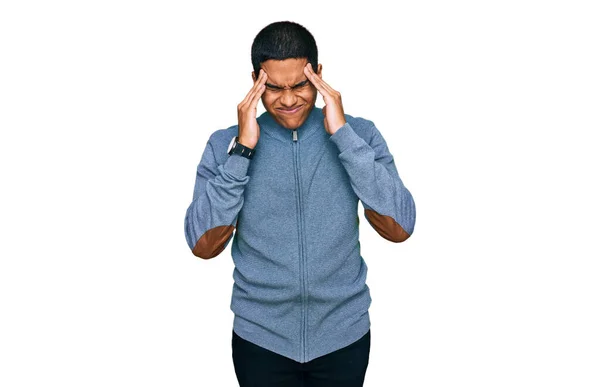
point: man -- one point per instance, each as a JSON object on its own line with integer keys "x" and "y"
{"x": 289, "y": 182}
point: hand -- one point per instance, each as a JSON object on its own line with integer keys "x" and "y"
{"x": 248, "y": 129}
{"x": 333, "y": 110}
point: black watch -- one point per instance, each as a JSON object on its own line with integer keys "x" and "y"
{"x": 236, "y": 148}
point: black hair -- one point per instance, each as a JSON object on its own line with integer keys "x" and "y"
{"x": 283, "y": 40}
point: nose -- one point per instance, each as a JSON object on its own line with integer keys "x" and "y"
{"x": 288, "y": 99}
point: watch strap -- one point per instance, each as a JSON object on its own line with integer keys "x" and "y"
{"x": 241, "y": 150}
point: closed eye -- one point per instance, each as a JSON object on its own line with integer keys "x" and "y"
{"x": 301, "y": 84}
{"x": 276, "y": 88}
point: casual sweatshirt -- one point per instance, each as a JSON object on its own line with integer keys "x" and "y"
{"x": 299, "y": 279}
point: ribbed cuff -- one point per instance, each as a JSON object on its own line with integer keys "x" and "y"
{"x": 344, "y": 137}
{"x": 237, "y": 165}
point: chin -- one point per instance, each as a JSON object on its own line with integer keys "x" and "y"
{"x": 291, "y": 122}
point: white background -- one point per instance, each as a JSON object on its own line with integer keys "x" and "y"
{"x": 489, "y": 109}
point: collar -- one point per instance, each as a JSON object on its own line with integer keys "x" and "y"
{"x": 313, "y": 122}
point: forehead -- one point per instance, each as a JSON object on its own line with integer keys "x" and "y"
{"x": 285, "y": 72}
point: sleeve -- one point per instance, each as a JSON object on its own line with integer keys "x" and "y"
{"x": 218, "y": 197}
{"x": 389, "y": 205}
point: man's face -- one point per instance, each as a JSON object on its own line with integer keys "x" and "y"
{"x": 289, "y": 96}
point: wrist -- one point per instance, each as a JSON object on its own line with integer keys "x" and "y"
{"x": 246, "y": 142}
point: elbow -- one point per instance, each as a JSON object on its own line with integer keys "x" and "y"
{"x": 387, "y": 227}
{"x": 401, "y": 238}
{"x": 205, "y": 254}
{"x": 397, "y": 234}
{"x": 213, "y": 242}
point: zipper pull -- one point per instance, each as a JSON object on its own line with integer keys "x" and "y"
{"x": 294, "y": 135}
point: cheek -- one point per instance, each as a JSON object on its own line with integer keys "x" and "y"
{"x": 309, "y": 95}
{"x": 268, "y": 100}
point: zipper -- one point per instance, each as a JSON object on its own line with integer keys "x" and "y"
{"x": 304, "y": 324}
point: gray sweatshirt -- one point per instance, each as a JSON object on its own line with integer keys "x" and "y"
{"x": 299, "y": 278}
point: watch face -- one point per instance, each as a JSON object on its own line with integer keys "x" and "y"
{"x": 231, "y": 145}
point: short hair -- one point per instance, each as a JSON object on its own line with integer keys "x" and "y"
{"x": 283, "y": 40}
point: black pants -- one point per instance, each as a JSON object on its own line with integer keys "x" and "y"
{"x": 256, "y": 366}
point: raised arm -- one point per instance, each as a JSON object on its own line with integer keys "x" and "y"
{"x": 218, "y": 198}
{"x": 389, "y": 205}
{"x": 219, "y": 189}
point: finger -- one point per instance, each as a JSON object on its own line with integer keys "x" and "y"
{"x": 314, "y": 79}
{"x": 323, "y": 87}
{"x": 257, "y": 95}
{"x": 262, "y": 78}
{"x": 323, "y": 84}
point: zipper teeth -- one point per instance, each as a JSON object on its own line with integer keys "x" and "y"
{"x": 304, "y": 262}
{"x": 298, "y": 206}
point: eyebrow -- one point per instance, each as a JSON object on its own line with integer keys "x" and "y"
{"x": 293, "y": 87}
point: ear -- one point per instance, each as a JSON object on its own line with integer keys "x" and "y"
{"x": 253, "y": 77}
{"x": 319, "y": 69}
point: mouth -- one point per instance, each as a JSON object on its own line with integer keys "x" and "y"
{"x": 292, "y": 111}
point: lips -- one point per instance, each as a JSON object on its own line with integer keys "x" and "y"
{"x": 292, "y": 111}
